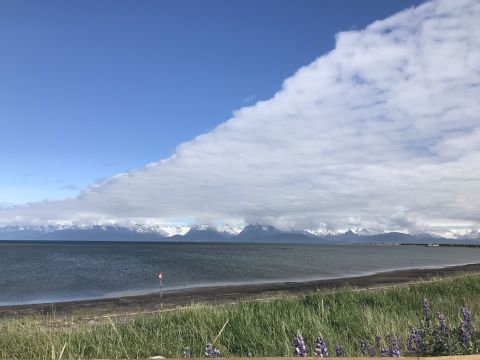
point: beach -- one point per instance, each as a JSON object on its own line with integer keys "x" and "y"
{"x": 260, "y": 320}
{"x": 82, "y": 271}
{"x": 155, "y": 302}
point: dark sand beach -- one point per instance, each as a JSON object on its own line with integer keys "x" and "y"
{"x": 131, "y": 305}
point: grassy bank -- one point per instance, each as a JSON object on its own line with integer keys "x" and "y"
{"x": 260, "y": 328}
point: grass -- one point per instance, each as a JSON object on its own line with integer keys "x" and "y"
{"x": 260, "y": 328}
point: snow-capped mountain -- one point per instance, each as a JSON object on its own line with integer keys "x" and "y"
{"x": 201, "y": 233}
{"x": 320, "y": 232}
{"x": 229, "y": 233}
{"x": 257, "y": 231}
{"x": 230, "y": 230}
{"x": 456, "y": 234}
{"x": 326, "y": 232}
{"x": 161, "y": 230}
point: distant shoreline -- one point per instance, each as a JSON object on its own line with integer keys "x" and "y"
{"x": 440, "y": 243}
{"x": 222, "y": 294}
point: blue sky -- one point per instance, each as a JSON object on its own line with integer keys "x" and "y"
{"x": 90, "y": 89}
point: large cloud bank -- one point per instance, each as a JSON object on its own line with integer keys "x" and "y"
{"x": 383, "y": 132}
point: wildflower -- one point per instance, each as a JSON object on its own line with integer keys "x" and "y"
{"x": 366, "y": 349}
{"x": 211, "y": 352}
{"x": 426, "y": 311}
{"x": 321, "y": 349}
{"x": 395, "y": 345}
{"x": 464, "y": 333}
{"x": 393, "y": 349}
{"x": 467, "y": 316}
{"x": 466, "y": 326}
{"x": 373, "y": 350}
{"x": 300, "y": 347}
{"x": 415, "y": 341}
{"x": 442, "y": 324}
{"x": 187, "y": 353}
{"x": 385, "y": 353}
{"x": 339, "y": 351}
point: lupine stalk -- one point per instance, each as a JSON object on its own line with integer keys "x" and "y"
{"x": 426, "y": 311}
{"x": 211, "y": 352}
{"x": 442, "y": 324}
{"x": 466, "y": 326}
{"x": 339, "y": 351}
{"x": 415, "y": 342}
{"x": 187, "y": 353}
{"x": 385, "y": 353}
{"x": 366, "y": 349}
{"x": 464, "y": 333}
{"x": 300, "y": 347}
{"x": 393, "y": 349}
{"x": 394, "y": 346}
{"x": 321, "y": 349}
{"x": 467, "y": 316}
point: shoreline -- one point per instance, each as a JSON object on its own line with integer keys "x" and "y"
{"x": 152, "y": 302}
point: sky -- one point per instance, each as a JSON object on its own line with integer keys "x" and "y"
{"x": 90, "y": 89}
{"x": 305, "y": 114}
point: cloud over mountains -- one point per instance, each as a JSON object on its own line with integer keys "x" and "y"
{"x": 383, "y": 132}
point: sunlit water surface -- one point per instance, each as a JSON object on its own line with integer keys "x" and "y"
{"x": 33, "y": 273}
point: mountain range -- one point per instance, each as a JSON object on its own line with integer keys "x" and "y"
{"x": 204, "y": 233}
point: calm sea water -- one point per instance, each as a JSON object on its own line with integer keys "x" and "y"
{"x": 34, "y": 273}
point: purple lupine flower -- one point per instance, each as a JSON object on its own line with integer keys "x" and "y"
{"x": 467, "y": 316}
{"x": 442, "y": 324}
{"x": 300, "y": 347}
{"x": 373, "y": 350}
{"x": 385, "y": 353}
{"x": 339, "y": 351}
{"x": 393, "y": 348}
{"x": 187, "y": 353}
{"x": 321, "y": 349}
{"x": 366, "y": 349}
{"x": 464, "y": 333}
{"x": 399, "y": 341}
{"x": 426, "y": 311}
{"x": 211, "y": 352}
{"x": 466, "y": 326}
{"x": 415, "y": 341}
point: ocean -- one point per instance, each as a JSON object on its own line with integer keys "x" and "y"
{"x": 36, "y": 272}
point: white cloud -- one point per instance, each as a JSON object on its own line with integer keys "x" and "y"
{"x": 382, "y": 132}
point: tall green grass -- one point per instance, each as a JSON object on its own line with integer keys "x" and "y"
{"x": 263, "y": 328}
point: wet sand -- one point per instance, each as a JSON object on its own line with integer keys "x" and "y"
{"x": 221, "y": 294}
